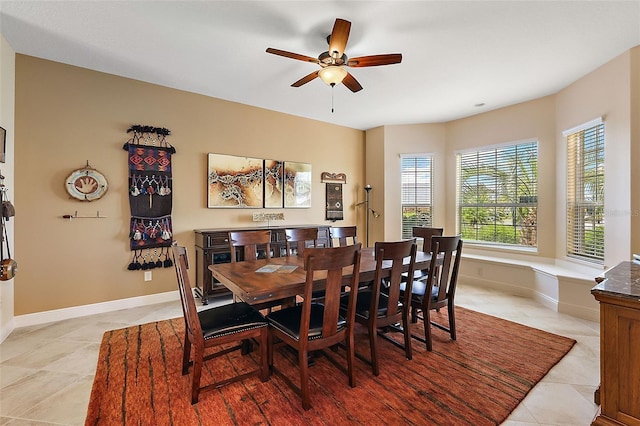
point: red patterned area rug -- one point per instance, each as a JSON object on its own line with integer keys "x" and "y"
{"x": 477, "y": 380}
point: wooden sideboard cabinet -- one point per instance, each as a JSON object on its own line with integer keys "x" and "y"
{"x": 212, "y": 246}
{"x": 618, "y": 293}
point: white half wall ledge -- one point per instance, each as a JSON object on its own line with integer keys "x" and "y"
{"x": 94, "y": 308}
{"x": 555, "y": 284}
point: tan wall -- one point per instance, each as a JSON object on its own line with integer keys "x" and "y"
{"x": 635, "y": 149}
{"x": 412, "y": 139}
{"x": 7, "y": 169}
{"x": 66, "y": 116}
{"x": 529, "y": 120}
{"x": 604, "y": 93}
{"x": 375, "y": 176}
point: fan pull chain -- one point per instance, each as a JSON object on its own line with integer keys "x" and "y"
{"x": 333, "y": 85}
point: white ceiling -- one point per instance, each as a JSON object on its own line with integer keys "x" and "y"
{"x": 455, "y": 54}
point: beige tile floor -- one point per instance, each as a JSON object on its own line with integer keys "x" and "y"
{"x": 46, "y": 371}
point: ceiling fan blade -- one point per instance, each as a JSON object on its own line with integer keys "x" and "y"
{"x": 292, "y": 55}
{"x": 305, "y": 79}
{"x": 338, "y": 38}
{"x": 351, "y": 83}
{"x": 375, "y": 60}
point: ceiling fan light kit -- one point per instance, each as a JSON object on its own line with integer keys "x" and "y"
{"x": 332, "y": 75}
{"x": 334, "y": 60}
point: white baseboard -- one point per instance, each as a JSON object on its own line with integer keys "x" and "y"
{"x": 579, "y": 312}
{"x": 94, "y": 308}
{"x": 7, "y": 329}
{"x": 515, "y": 290}
{"x": 546, "y": 301}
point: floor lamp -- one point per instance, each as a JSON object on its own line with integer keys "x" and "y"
{"x": 367, "y": 189}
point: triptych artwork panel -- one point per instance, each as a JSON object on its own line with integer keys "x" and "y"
{"x": 246, "y": 182}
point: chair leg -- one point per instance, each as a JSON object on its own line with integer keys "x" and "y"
{"x": 264, "y": 357}
{"x": 303, "y": 364}
{"x": 186, "y": 354}
{"x": 407, "y": 335}
{"x": 351, "y": 359}
{"x": 452, "y": 321}
{"x": 427, "y": 328}
{"x": 198, "y": 355}
{"x": 269, "y": 348}
{"x": 373, "y": 344}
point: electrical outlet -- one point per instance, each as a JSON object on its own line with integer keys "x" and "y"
{"x": 147, "y": 276}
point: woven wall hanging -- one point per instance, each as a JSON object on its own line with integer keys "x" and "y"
{"x": 334, "y": 182}
{"x": 150, "y": 196}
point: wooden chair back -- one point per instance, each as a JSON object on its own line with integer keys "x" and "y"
{"x": 250, "y": 242}
{"x": 345, "y": 235}
{"x": 299, "y": 239}
{"x": 449, "y": 250}
{"x": 426, "y": 233}
{"x": 396, "y": 253}
{"x": 332, "y": 261}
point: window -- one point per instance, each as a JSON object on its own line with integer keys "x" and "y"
{"x": 497, "y": 200}
{"x": 417, "y": 172}
{"x": 585, "y": 191}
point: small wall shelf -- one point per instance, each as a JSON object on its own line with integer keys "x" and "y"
{"x": 75, "y": 216}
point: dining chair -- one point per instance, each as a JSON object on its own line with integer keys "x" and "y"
{"x": 215, "y": 327}
{"x": 344, "y": 235}
{"x": 425, "y": 233}
{"x": 382, "y": 305}
{"x": 438, "y": 289}
{"x": 298, "y": 239}
{"x": 250, "y": 243}
{"x": 312, "y": 326}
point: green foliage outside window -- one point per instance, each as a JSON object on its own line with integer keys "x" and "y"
{"x": 414, "y": 216}
{"x": 497, "y": 195}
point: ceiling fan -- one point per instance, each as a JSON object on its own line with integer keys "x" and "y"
{"x": 333, "y": 61}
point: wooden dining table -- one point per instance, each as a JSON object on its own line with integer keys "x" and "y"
{"x": 271, "y": 281}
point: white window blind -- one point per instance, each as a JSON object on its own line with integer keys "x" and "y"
{"x": 497, "y": 199}
{"x": 417, "y": 174}
{"x": 585, "y": 193}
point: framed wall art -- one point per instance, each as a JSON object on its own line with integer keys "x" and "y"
{"x": 273, "y": 185}
{"x": 297, "y": 184}
{"x": 334, "y": 202}
{"x": 234, "y": 182}
{"x": 3, "y": 144}
{"x": 86, "y": 184}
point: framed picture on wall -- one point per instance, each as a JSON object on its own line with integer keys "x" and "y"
{"x": 273, "y": 187}
{"x": 3, "y": 144}
{"x": 297, "y": 184}
{"x": 234, "y": 182}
